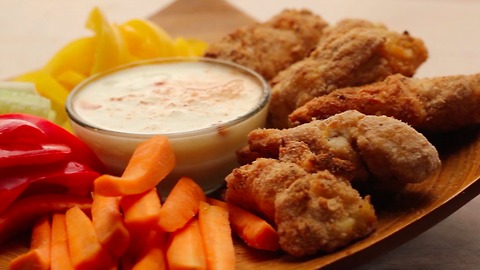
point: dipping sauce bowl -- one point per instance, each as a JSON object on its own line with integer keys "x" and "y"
{"x": 206, "y": 107}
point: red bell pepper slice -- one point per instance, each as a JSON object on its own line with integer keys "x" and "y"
{"x": 58, "y": 135}
{"x": 9, "y": 193}
{"x": 23, "y": 154}
{"x": 14, "y": 130}
{"x": 70, "y": 177}
{"x": 75, "y": 179}
{"x": 21, "y": 214}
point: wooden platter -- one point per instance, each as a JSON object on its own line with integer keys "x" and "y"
{"x": 401, "y": 217}
{"x": 208, "y": 20}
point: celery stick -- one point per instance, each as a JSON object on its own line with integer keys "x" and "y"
{"x": 21, "y": 101}
{"x": 24, "y": 87}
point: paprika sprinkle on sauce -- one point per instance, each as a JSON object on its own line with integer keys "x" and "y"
{"x": 206, "y": 107}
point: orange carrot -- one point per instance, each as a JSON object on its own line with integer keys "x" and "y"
{"x": 153, "y": 256}
{"x": 60, "y": 256}
{"x": 181, "y": 205}
{"x": 137, "y": 247}
{"x": 151, "y": 161}
{"x": 135, "y": 250}
{"x": 217, "y": 237}
{"x": 145, "y": 242}
{"x": 86, "y": 252}
{"x": 140, "y": 215}
{"x": 38, "y": 257}
{"x": 154, "y": 259}
{"x": 108, "y": 223}
{"x": 141, "y": 210}
{"x": 185, "y": 250}
{"x": 255, "y": 231}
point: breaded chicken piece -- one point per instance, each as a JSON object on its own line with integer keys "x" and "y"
{"x": 254, "y": 186}
{"x": 354, "y": 146}
{"x": 314, "y": 146}
{"x": 320, "y": 213}
{"x": 351, "y": 53}
{"x": 272, "y": 46}
{"x": 312, "y": 211}
{"x": 431, "y": 105}
{"x": 347, "y": 24}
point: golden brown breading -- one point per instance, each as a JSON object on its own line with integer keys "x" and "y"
{"x": 351, "y": 53}
{"x": 347, "y": 24}
{"x": 271, "y": 46}
{"x": 395, "y": 152}
{"x": 321, "y": 213}
{"x": 312, "y": 211}
{"x": 254, "y": 186}
{"x": 329, "y": 148}
{"x": 431, "y": 105}
{"x": 300, "y": 179}
{"x": 355, "y": 146}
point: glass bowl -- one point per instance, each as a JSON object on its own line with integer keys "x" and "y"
{"x": 206, "y": 107}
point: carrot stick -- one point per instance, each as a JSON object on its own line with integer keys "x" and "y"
{"x": 185, "y": 250}
{"x": 144, "y": 243}
{"x": 151, "y": 161}
{"x": 154, "y": 253}
{"x": 38, "y": 257}
{"x": 60, "y": 256}
{"x": 217, "y": 237}
{"x": 108, "y": 223}
{"x": 85, "y": 249}
{"x": 137, "y": 247}
{"x": 255, "y": 231}
{"x": 141, "y": 210}
{"x": 140, "y": 215}
{"x": 181, "y": 205}
{"x": 154, "y": 259}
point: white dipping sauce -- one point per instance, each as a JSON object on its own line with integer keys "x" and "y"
{"x": 205, "y": 107}
{"x": 167, "y": 98}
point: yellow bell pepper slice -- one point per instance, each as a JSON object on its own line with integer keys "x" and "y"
{"x": 48, "y": 87}
{"x": 147, "y": 40}
{"x": 70, "y": 78}
{"x": 189, "y": 47}
{"x": 197, "y": 47}
{"x": 111, "y": 50}
{"x": 76, "y": 56}
{"x": 134, "y": 42}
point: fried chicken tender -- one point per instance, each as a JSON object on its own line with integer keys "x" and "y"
{"x": 314, "y": 146}
{"x": 353, "y": 146}
{"x": 320, "y": 213}
{"x": 351, "y": 53}
{"x": 271, "y": 46}
{"x": 254, "y": 186}
{"x": 431, "y": 105}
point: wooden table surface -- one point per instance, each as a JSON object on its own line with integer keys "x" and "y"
{"x": 454, "y": 243}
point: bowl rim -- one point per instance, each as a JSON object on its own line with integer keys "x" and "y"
{"x": 261, "y": 104}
